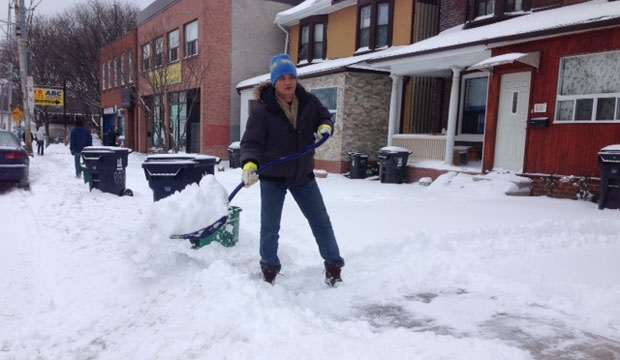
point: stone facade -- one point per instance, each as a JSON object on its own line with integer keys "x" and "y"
{"x": 361, "y": 121}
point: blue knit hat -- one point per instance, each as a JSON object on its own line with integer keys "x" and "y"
{"x": 281, "y": 65}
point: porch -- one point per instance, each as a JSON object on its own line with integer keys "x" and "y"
{"x": 428, "y": 147}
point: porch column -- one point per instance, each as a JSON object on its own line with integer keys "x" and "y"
{"x": 397, "y": 85}
{"x": 452, "y": 115}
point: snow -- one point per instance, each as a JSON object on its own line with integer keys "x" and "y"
{"x": 452, "y": 270}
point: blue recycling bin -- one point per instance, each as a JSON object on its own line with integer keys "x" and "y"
{"x": 168, "y": 173}
{"x": 106, "y": 168}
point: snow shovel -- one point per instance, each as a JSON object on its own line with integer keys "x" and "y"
{"x": 196, "y": 236}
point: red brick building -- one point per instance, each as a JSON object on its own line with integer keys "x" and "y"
{"x": 170, "y": 85}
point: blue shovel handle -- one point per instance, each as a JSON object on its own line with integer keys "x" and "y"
{"x": 279, "y": 161}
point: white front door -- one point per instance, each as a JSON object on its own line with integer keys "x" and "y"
{"x": 514, "y": 99}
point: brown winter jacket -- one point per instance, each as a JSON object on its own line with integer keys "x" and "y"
{"x": 270, "y": 136}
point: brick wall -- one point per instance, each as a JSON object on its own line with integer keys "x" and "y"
{"x": 453, "y": 13}
{"x": 565, "y": 187}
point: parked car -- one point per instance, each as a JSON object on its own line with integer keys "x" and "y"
{"x": 14, "y": 160}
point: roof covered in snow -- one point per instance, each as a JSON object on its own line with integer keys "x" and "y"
{"x": 315, "y": 69}
{"x": 544, "y": 23}
{"x": 310, "y": 8}
{"x": 540, "y": 23}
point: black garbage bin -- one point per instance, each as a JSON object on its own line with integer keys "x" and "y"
{"x": 168, "y": 173}
{"x": 359, "y": 163}
{"x": 234, "y": 155}
{"x": 106, "y": 167}
{"x": 609, "y": 164}
{"x": 393, "y": 164}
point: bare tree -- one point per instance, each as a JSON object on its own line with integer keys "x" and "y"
{"x": 64, "y": 49}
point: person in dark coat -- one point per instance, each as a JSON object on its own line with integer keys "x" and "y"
{"x": 79, "y": 138}
{"x": 111, "y": 137}
{"x": 286, "y": 120}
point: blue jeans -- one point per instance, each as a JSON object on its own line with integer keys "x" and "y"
{"x": 76, "y": 160}
{"x": 310, "y": 202}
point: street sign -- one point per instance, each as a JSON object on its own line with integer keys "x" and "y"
{"x": 49, "y": 97}
{"x": 17, "y": 114}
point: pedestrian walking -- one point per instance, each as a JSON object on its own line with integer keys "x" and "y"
{"x": 284, "y": 122}
{"x": 40, "y": 140}
{"x": 79, "y": 138}
{"x": 111, "y": 137}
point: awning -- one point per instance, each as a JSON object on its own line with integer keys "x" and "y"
{"x": 532, "y": 59}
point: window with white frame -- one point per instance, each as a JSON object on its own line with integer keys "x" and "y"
{"x": 123, "y": 73}
{"x": 158, "y": 60}
{"x": 103, "y": 75}
{"x": 329, "y": 99}
{"x": 173, "y": 46}
{"x": 484, "y": 7}
{"x": 146, "y": 57}
{"x": 115, "y": 75}
{"x": 589, "y": 88}
{"x": 474, "y": 90}
{"x": 191, "y": 39}
{"x": 109, "y": 74}
{"x": 130, "y": 66}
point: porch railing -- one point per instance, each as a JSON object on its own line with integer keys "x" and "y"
{"x": 422, "y": 146}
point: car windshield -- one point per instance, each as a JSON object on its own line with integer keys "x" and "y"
{"x": 8, "y": 139}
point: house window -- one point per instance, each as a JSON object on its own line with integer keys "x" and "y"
{"x": 173, "y": 46}
{"x": 103, "y": 76}
{"x": 497, "y": 8}
{"x": 130, "y": 66}
{"x": 589, "y": 88}
{"x": 158, "y": 116}
{"x": 158, "y": 60}
{"x": 513, "y": 5}
{"x": 329, "y": 99}
{"x": 374, "y": 24}
{"x": 146, "y": 57}
{"x": 123, "y": 73}
{"x": 191, "y": 39}
{"x": 115, "y": 75}
{"x": 474, "y": 105}
{"x": 109, "y": 74}
{"x": 484, "y": 7}
{"x": 178, "y": 119}
{"x": 312, "y": 44}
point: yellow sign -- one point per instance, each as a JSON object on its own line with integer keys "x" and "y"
{"x": 166, "y": 76}
{"x": 17, "y": 114}
{"x": 49, "y": 97}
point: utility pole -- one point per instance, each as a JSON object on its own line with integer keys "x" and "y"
{"x": 7, "y": 90}
{"x": 22, "y": 41}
